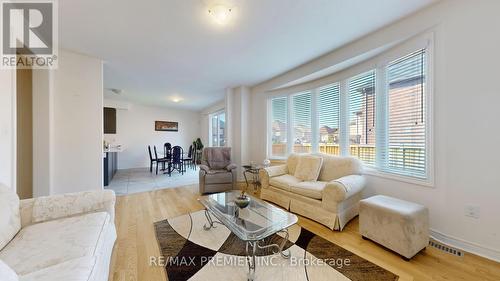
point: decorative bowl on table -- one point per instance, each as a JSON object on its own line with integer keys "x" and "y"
{"x": 242, "y": 201}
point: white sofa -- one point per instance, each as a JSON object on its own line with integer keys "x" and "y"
{"x": 330, "y": 195}
{"x": 66, "y": 237}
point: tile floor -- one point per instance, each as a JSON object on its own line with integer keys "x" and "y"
{"x": 141, "y": 180}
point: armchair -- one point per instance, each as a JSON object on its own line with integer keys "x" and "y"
{"x": 217, "y": 173}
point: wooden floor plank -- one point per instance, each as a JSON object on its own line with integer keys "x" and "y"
{"x": 136, "y": 243}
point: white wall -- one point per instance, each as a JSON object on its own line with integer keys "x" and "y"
{"x": 238, "y": 105}
{"x": 43, "y": 128}
{"x": 466, "y": 101}
{"x": 77, "y": 124}
{"x": 7, "y": 127}
{"x": 135, "y": 131}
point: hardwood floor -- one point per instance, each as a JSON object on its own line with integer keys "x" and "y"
{"x": 135, "y": 215}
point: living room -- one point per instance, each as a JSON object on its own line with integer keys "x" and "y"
{"x": 307, "y": 140}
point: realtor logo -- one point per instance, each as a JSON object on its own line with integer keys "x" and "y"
{"x": 29, "y": 34}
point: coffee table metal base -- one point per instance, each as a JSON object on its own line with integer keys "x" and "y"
{"x": 252, "y": 246}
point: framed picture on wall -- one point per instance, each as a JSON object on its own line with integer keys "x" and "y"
{"x": 166, "y": 126}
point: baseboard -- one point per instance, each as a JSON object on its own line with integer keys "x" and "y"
{"x": 466, "y": 246}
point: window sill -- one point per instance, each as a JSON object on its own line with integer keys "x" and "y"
{"x": 406, "y": 179}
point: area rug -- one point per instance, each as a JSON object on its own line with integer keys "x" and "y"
{"x": 188, "y": 252}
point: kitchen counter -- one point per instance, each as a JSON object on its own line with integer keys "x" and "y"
{"x": 110, "y": 159}
{"x": 117, "y": 148}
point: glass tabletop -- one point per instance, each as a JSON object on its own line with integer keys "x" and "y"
{"x": 255, "y": 222}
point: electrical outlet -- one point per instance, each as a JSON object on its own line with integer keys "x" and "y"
{"x": 472, "y": 211}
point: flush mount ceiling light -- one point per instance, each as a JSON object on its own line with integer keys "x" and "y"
{"x": 176, "y": 99}
{"x": 220, "y": 13}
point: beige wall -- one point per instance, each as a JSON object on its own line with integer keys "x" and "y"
{"x": 24, "y": 133}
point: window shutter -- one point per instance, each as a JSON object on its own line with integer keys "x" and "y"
{"x": 279, "y": 126}
{"x": 406, "y": 117}
{"x": 302, "y": 117}
{"x": 362, "y": 117}
{"x": 329, "y": 119}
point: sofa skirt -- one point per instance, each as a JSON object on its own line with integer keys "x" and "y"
{"x": 312, "y": 208}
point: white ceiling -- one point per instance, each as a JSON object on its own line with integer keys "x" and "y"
{"x": 157, "y": 49}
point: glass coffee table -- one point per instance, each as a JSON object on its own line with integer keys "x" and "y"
{"x": 251, "y": 224}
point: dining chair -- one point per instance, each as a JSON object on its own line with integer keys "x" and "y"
{"x": 167, "y": 150}
{"x": 151, "y": 159}
{"x": 177, "y": 159}
{"x": 189, "y": 158}
{"x": 161, "y": 160}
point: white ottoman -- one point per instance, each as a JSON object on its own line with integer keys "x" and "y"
{"x": 398, "y": 225}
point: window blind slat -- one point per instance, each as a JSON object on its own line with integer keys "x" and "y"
{"x": 302, "y": 117}
{"x": 279, "y": 126}
{"x": 329, "y": 119}
{"x": 406, "y": 151}
{"x": 362, "y": 116}
{"x": 401, "y": 134}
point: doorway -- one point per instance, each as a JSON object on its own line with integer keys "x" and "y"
{"x": 24, "y": 138}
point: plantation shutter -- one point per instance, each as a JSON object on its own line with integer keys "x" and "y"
{"x": 362, "y": 117}
{"x": 302, "y": 117}
{"x": 279, "y": 108}
{"x": 406, "y": 151}
{"x": 329, "y": 119}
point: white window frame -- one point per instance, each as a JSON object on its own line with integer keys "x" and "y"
{"x": 210, "y": 129}
{"x": 379, "y": 63}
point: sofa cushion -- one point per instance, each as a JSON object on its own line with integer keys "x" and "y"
{"x": 75, "y": 270}
{"x": 10, "y": 219}
{"x": 50, "y": 243}
{"x": 292, "y": 161}
{"x": 222, "y": 177}
{"x": 335, "y": 167}
{"x": 308, "y": 168}
{"x": 6, "y": 273}
{"x": 311, "y": 189}
{"x": 284, "y": 182}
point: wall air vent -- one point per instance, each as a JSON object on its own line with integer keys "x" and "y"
{"x": 444, "y": 248}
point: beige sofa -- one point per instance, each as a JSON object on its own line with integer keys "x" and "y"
{"x": 331, "y": 199}
{"x": 58, "y": 238}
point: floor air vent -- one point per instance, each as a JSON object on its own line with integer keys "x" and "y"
{"x": 447, "y": 249}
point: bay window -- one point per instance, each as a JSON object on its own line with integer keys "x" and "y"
{"x": 379, "y": 116}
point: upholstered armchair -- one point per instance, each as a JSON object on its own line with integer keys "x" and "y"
{"x": 217, "y": 173}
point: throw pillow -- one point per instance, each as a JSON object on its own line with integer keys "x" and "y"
{"x": 308, "y": 168}
{"x": 10, "y": 218}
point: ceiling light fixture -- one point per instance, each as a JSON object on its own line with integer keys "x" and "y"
{"x": 220, "y": 13}
{"x": 176, "y": 99}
